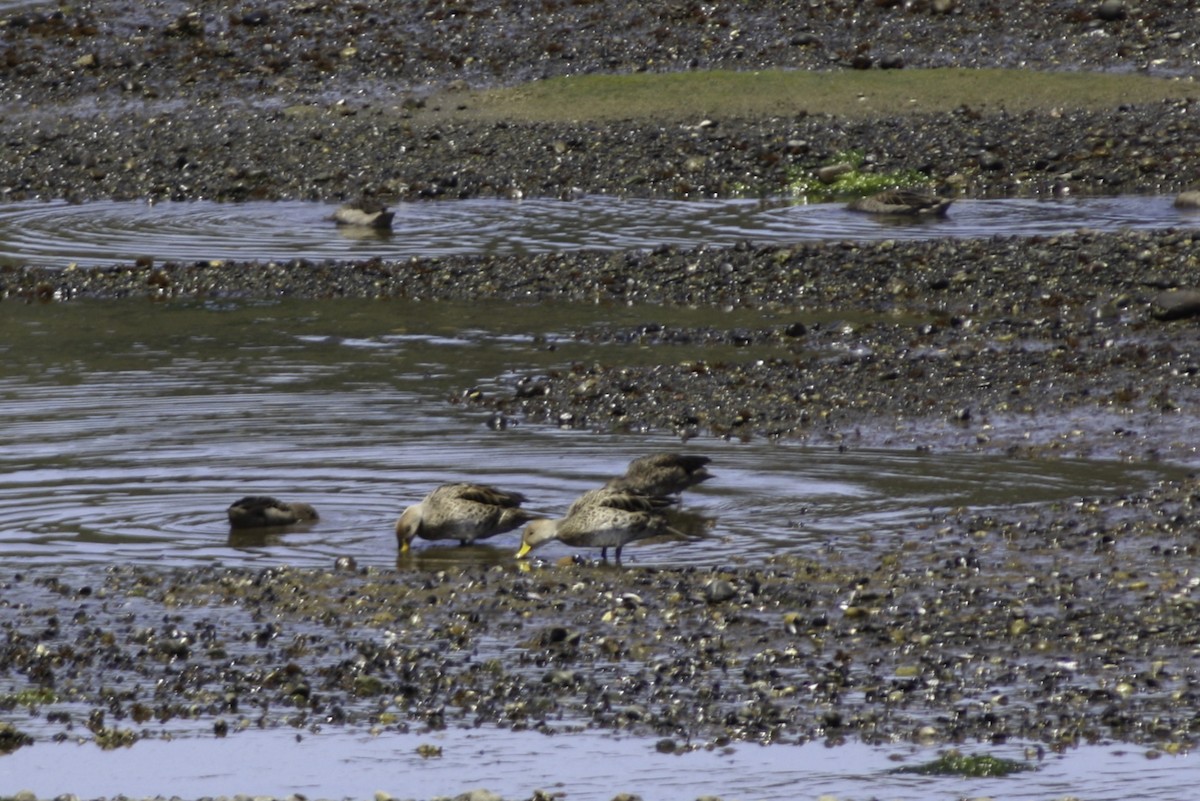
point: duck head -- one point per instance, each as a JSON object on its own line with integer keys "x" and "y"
{"x": 537, "y": 532}
{"x": 407, "y": 527}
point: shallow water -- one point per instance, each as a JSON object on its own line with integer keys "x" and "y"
{"x": 586, "y": 766}
{"x": 103, "y": 232}
{"x": 129, "y": 427}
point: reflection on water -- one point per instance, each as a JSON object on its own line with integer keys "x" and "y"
{"x": 129, "y": 428}
{"x": 585, "y": 766}
{"x": 103, "y": 232}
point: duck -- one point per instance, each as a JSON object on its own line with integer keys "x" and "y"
{"x": 663, "y": 474}
{"x": 263, "y": 511}
{"x": 464, "y": 512}
{"x": 902, "y": 203}
{"x": 595, "y": 526}
{"x": 631, "y": 500}
{"x": 365, "y": 214}
{"x": 607, "y": 517}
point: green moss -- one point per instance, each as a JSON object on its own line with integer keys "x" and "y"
{"x": 854, "y": 183}
{"x": 108, "y": 739}
{"x": 952, "y": 763}
{"x": 31, "y": 696}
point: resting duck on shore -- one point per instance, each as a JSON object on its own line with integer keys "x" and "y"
{"x": 263, "y": 511}
{"x": 365, "y": 214}
{"x": 463, "y": 512}
{"x": 902, "y": 203}
{"x": 663, "y": 474}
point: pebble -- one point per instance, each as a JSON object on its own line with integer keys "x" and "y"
{"x": 1188, "y": 200}
{"x": 1176, "y": 304}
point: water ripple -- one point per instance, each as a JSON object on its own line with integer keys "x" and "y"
{"x": 58, "y": 234}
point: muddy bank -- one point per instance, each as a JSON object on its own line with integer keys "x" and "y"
{"x": 327, "y": 101}
{"x": 1068, "y": 624}
{"x": 329, "y": 152}
{"x": 1057, "y": 626}
{"x": 216, "y": 50}
{"x": 1039, "y": 346}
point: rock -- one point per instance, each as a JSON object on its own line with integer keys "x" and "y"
{"x": 1111, "y": 10}
{"x": 1188, "y": 200}
{"x": 830, "y": 173}
{"x": 478, "y": 794}
{"x": 1176, "y": 304}
{"x": 12, "y": 738}
{"x": 718, "y": 590}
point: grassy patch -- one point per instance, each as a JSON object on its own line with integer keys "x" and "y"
{"x": 853, "y": 93}
{"x": 952, "y": 763}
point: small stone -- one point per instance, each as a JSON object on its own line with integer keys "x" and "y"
{"x": 1176, "y": 304}
{"x": 1188, "y": 200}
{"x": 832, "y": 172}
{"x": 1111, "y": 10}
{"x": 718, "y": 590}
{"x": 478, "y": 794}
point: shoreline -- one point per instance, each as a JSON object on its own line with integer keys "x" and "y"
{"x": 1058, "y": 624}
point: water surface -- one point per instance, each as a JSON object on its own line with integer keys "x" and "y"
{"x": 103, "y": 232}
{"x": 584, "y": 766}
{"x": 130, "y": 427}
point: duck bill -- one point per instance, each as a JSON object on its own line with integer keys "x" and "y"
{"x": 524, "y": 550}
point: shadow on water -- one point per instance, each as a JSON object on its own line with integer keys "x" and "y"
{"x": 103, "y": 232}
{"x": 130, "y": 427}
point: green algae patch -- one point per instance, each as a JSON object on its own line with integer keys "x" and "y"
{"x": 851, "y": 93}
{"x": 849, "y": 180}
{"x": 976, "y": 766}
{"x": 32, "y": 696}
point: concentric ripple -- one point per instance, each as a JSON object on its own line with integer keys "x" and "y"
{"x": 104, "y": 232}
{"x": 130, "y": 428}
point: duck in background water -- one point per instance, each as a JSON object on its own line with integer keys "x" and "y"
{"x": 263, "y": 511}
{"x": 902, "y": 203}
